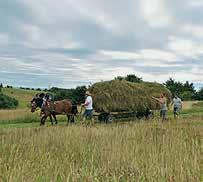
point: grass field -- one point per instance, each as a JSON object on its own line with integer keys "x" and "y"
{"x": 118, "y": 152}
{"x": 124, "y": 151}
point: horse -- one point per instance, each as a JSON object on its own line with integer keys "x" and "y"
{"x": 51, "y": 109}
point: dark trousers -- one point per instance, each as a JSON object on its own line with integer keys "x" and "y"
{"x": 163, "y": 114}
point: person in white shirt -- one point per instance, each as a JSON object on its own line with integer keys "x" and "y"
{"x": 88, "y": 106}
{"x": 177, "y": 105}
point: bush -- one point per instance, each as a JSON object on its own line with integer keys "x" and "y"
{"x": 8, "y": 86}
{"x": 186, "y": 95}
{"x": 7, "y": 102}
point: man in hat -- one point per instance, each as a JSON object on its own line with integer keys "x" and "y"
{"x": 177, "y": 105}
{"x": 88, "y": 106}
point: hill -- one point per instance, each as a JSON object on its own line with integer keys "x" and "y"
{"x": 7, "y": 102}
{"x": 23, "y": 96}
{"x": 22, "y": 111}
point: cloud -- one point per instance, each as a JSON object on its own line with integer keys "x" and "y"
{"x": 155, "y": 13}
{"x": 185, "y": 48}
{"x": 4, "y": 39}
{"x": 196, "y": 3}
{"x": 194, "y": 30}
{"x": 64, "y": 44}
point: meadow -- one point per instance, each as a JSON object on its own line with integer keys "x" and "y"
{"x": 135, "y": 150}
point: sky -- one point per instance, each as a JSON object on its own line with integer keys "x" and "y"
{"x": 68, "y": 43}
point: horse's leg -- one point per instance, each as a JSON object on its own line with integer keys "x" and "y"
{"x": 51, "y": 119}
{"x": 68, "y": 116}
{"x": 72, "y": 119}
{"x": 43, "y": 119}
{"x": 41, "y": 122}
{"x": 56, "y": 122}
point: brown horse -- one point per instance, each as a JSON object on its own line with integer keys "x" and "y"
{"x": 64, "y": 107}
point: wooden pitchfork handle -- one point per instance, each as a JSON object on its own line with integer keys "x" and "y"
{"x": 81, "y": 110}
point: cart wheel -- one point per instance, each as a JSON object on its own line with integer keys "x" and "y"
{"x": 151, "y": 115}
{"x": 103, "y": 117}
{"x": 110, "y": 118}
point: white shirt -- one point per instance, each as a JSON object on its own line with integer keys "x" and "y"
{"x": 177, "y": 102}
{"x": 88, "y": 103}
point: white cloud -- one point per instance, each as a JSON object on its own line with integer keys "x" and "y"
{"x": 96, "y": 15}
{"x": 109, "y": 73}
{"x": 4, "y": 39}
{"x": 119, "y": 54}
{"x": 158, "y": 54}
{"x": 195, "y": 3}
{"x": 184, "y": 47}
{"x": 194, "y": 30}
{"x": 143, "y": 54}
{"x": 155, "y": 13}
{"x": 36, "y": 37}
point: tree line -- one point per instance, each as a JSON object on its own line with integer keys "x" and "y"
{"x": 186, "y": 91}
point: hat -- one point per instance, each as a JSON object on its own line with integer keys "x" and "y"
{"x": 87, "y": 93}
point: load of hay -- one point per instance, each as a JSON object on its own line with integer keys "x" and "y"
{"x": 118, "y": 96}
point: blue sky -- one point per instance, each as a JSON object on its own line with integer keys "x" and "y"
{"x": 75, "y": 42}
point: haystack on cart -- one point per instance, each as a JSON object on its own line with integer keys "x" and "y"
{"x": 124, "y": 100}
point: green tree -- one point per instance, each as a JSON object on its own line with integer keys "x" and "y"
{"x": 119, "y": 78}
{"x": 79, "y": 94}
{"x": 76, "y": 95}
{"x": 186, "y": 95}
{"x": 189, "y": 87}
{"x": 130, "y": 78}
{"x": 199, "y": 94}
{"x": 184, "y": 90}
{"x": 174, "y": 87}
{"x": 133, "y": 78}
{"x": 1, "y": 86}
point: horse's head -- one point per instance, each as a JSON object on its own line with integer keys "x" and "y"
{"x": 33, "y": 106}
{"x": 35, "y": 103}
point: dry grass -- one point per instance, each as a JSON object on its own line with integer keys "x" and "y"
{"x": 189, "y": 104}
{"x": 145, "y": 151}
{"x": 7, "y": 115}
{"x": 122, "y": 95}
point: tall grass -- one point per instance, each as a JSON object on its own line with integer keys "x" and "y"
{"x": 15, "y": 114}
{"x": 144, "y": 151}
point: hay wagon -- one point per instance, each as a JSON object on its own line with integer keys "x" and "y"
{"x": 109, "y": 117}
{"x": 122, "y": 99}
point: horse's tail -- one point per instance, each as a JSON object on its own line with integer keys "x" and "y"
{"x": 74, "y": 109}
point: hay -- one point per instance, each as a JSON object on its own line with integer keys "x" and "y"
{"x": 118, "y": 96}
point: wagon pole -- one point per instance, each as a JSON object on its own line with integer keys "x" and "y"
{"x": 80, "y": 113}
